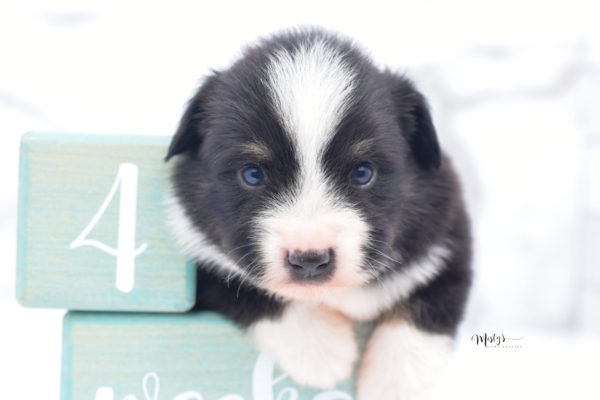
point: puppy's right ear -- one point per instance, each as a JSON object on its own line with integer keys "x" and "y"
{"x": 188, "y": 137}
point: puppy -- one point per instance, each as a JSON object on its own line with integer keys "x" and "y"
{"x": 312, "y": 193}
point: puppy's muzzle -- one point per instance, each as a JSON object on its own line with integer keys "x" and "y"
{"x": 311, "y": 265}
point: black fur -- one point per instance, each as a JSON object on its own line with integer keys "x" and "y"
{"x": 413, "y": 204}
{"x": 242, "y": 303}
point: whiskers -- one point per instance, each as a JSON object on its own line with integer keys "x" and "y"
{"x": 237, "y": 248}
{"x": 372, "y": 271}
{"x": 250, "y": 270}
{"x": 378, "y": 262}
{"x": 382, "y": 253}
{"x": 237, "y": 271}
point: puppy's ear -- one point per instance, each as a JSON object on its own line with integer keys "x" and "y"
{"x": 415, "y": 121}
{"x": 188, "y": 137}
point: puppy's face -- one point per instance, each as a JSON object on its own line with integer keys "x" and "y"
{"x": 302, "y": 167}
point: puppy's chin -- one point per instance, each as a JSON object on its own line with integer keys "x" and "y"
{"x": 300, "y": 291}
{"x": 310, "y": 290}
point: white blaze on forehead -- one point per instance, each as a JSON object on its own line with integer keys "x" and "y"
{"x": 311, "y": 89}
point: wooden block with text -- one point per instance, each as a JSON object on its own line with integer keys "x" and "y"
{"x": 191, "y": 356}
{"x": 91, "y": 225}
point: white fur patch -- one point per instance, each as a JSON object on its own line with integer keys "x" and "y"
{"x": 194, "y": 242}
{"x": 315, "y": 346}
{"x": 401, "y": 362}
{"x": 311, "y": 88}
{"x": 366, "y": 303}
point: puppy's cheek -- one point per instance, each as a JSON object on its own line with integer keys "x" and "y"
{"x": 402, "y": 362}
{"x": 194, "y": 242}
{"x": 351, "y": 257}
{"x": 273, "y": 257}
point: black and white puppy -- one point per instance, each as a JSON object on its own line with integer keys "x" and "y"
{"x": 312, "y": 193}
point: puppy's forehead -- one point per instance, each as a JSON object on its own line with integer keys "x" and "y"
{"x": 311, "y": 88}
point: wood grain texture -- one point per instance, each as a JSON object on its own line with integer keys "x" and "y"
{"x": 63, "y": 181}
{"x": 162, "y": 356}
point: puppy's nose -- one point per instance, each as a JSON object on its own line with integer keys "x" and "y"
{"x": 315, "y": 265}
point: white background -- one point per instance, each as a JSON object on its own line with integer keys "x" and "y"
{"x": 515, "y": 90}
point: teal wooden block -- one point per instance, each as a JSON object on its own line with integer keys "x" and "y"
{"x": 91, "y": 225}
{"x": 108, "y": 356}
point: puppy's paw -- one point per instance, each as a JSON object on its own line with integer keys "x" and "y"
{"x": 401, "y": 362}
{"x": 314, "y": 345}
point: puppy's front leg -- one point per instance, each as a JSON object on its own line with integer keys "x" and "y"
{"x": 401, "y": 362}
{"x": 313, "y": 344}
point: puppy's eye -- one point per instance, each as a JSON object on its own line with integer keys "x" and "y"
{"x": 362, "y": 174}
{"x": 252, "y": 175}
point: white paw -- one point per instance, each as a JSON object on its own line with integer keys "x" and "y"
{"x": 401, "y": 362}
{"x": 314, "y": 345}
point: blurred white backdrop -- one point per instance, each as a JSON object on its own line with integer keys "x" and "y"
{"x": 515, "y": 91}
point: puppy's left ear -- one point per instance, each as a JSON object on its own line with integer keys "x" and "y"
{"x": 415, "y": 121}
{"x": 189, "y": 135}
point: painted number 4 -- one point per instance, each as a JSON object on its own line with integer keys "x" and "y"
{"x": 127, "y": 178}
